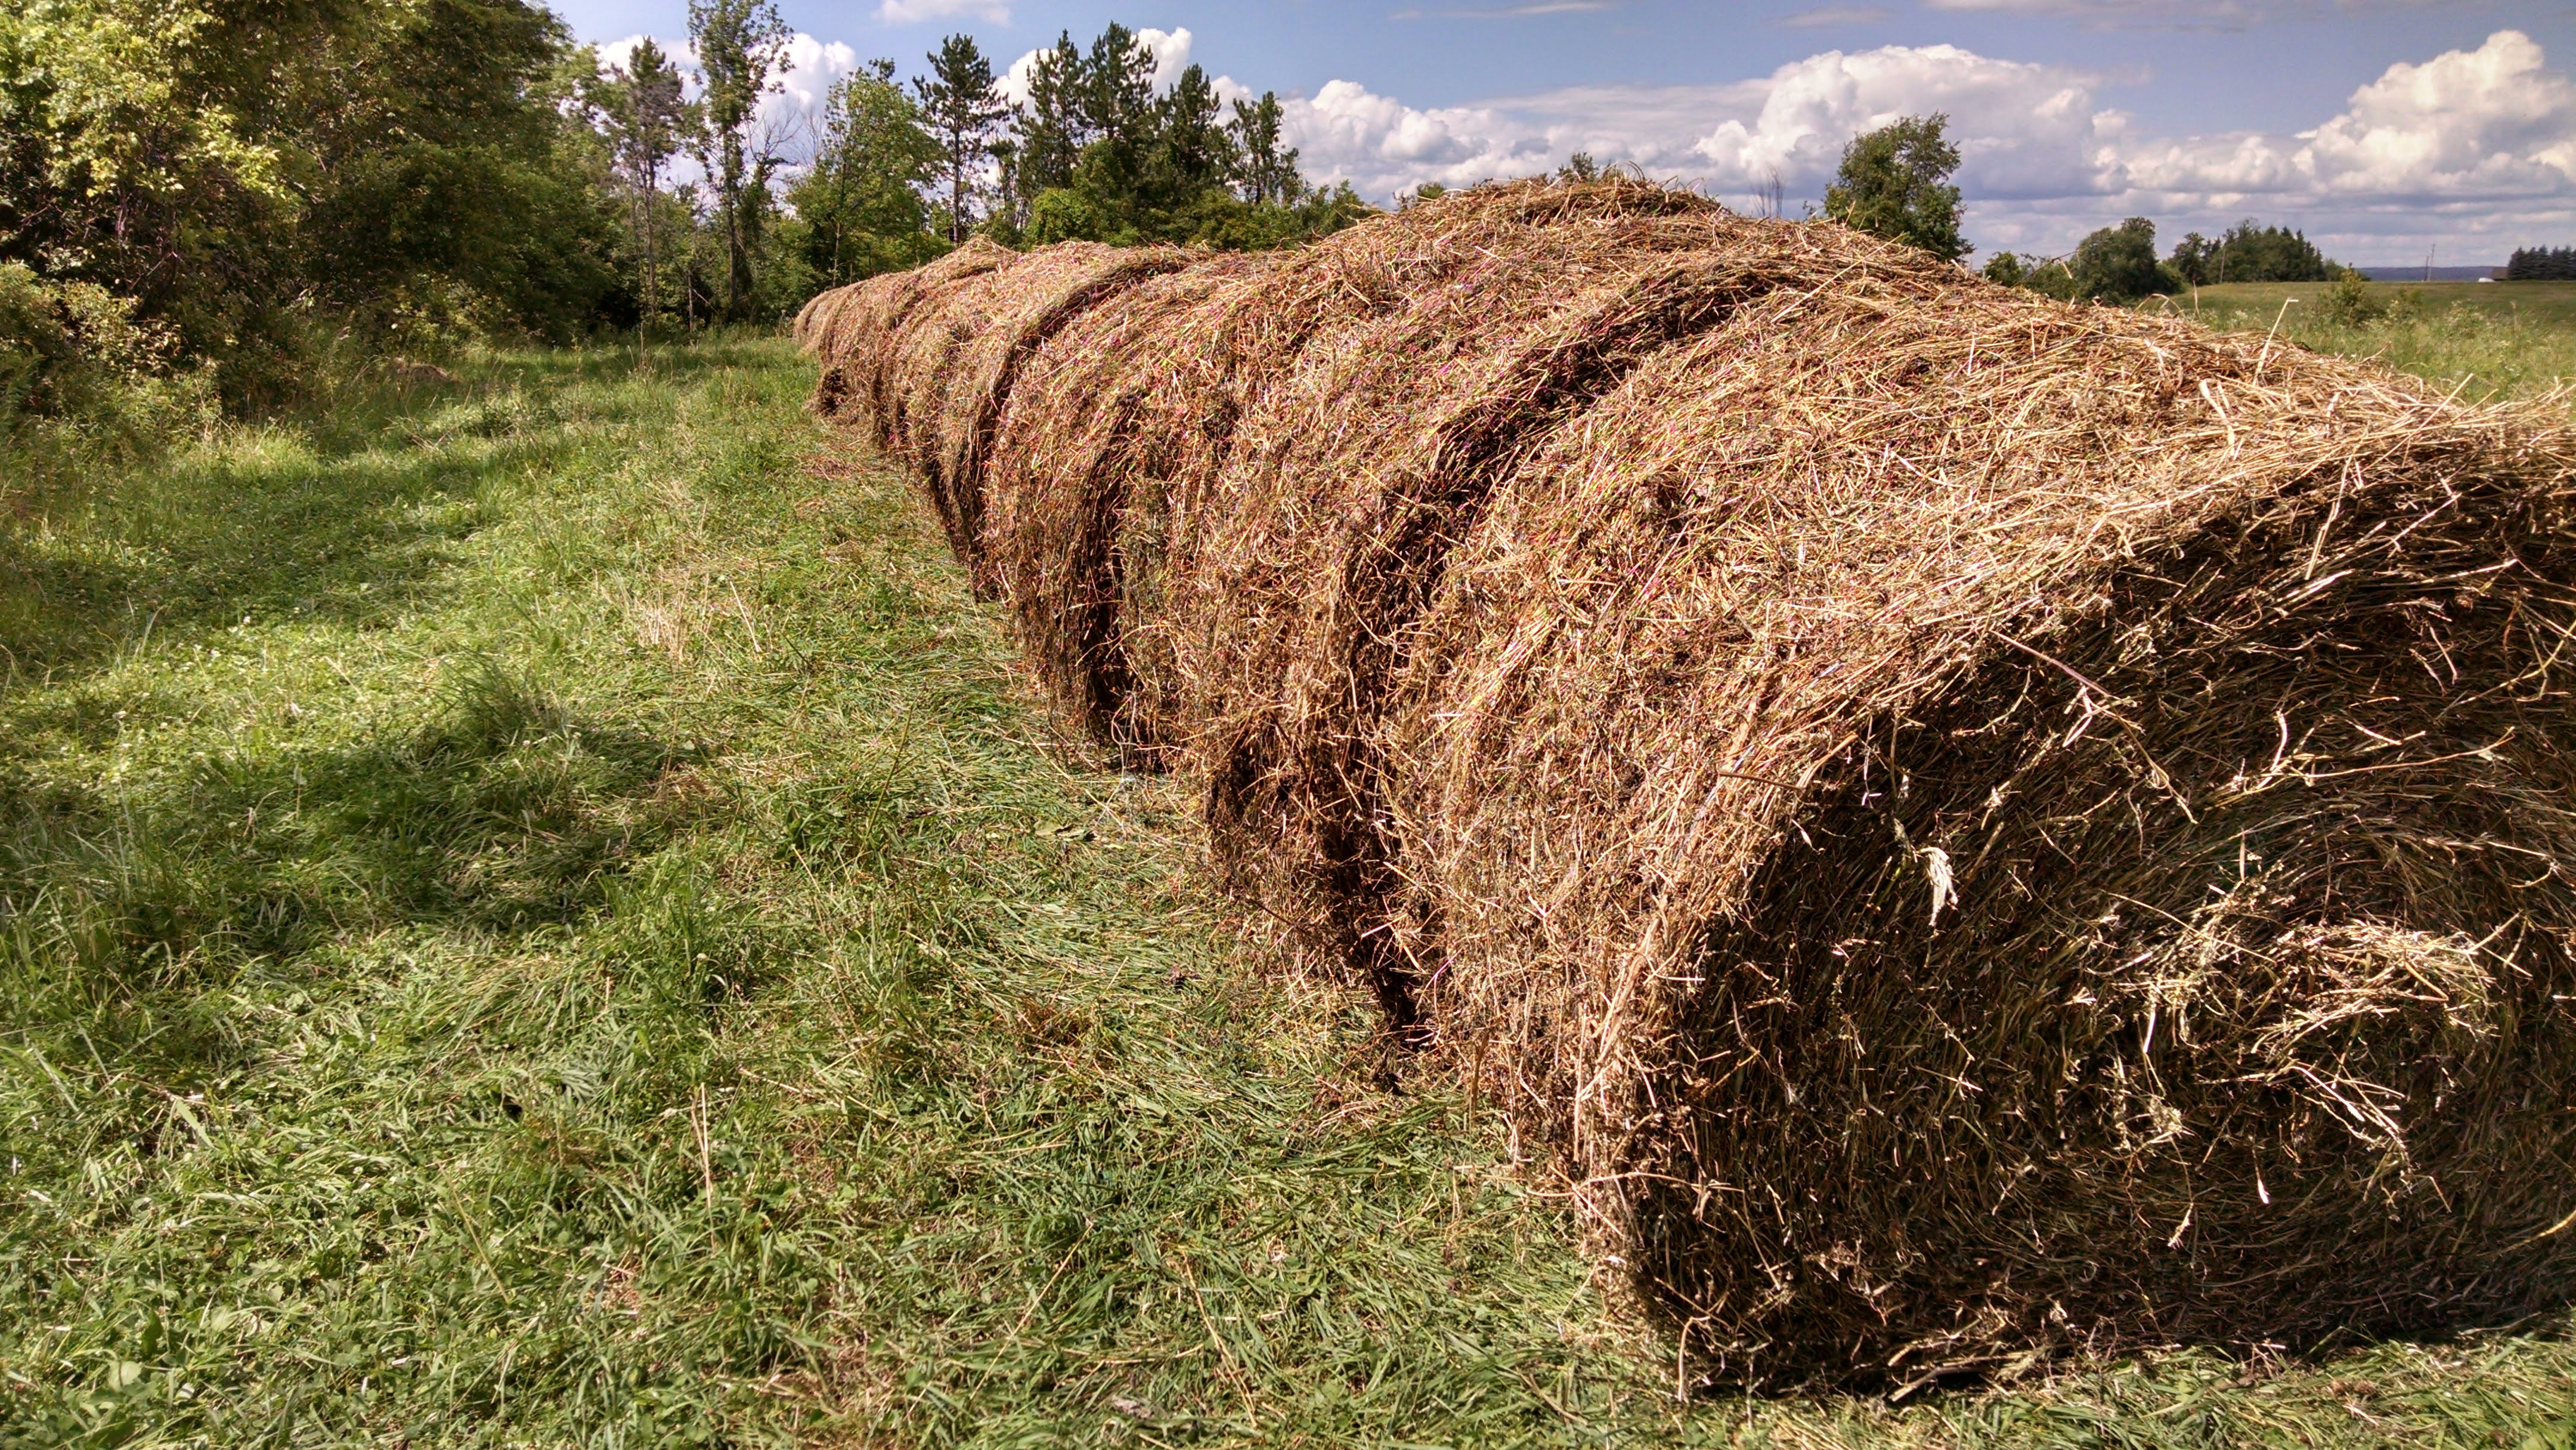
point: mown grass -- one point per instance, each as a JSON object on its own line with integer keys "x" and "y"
{"x": 537, "y": 913}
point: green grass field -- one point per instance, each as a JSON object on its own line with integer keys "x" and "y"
{"x": 538, "y": 913}
{"x": 2488, "y": 339}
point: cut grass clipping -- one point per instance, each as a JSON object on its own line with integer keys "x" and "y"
{"x": 1971, "y": 828}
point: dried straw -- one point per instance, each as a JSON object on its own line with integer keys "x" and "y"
{"x": 1968, "y": 828}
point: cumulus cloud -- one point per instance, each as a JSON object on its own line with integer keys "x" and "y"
{"x": 2494, "y": 122}
{"x": 2474, "y": 148}
{"x": 2023, "y": 129}
{"x": 2177, "y": 14}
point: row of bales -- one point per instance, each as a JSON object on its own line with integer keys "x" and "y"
{"x": 1969, "y": 828}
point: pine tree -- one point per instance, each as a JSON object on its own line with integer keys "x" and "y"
{"x": 1265, "y": 170}
{"x": 1193, "y": 154}
{"x": 646, "y": 120}
{"x": 960, "y": 108}
{"x": 1049, "y": 132}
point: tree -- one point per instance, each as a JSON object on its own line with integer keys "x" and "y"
{"x": 960, "y": 109}
{"x": 1894, "y": 183}
{"x": 2118, "y": 264}
{"x": 2246, "y": 252}
{"x": 860, "y": 207}
{"x": 640, "y": 104}
{"x": 1121, "y": 89}
{"x": 742, "y": 45}
{"x": 2007, "y": 268}
{"x": 1266, "y": 171}
{"x": 1193, "y": 153}
{"x": 2541, "y": 264}
{"x": 1049, "y": 132}
{"x": 254, "y": 174}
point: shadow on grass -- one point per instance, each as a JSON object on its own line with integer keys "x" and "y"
{"x": 504, "y": 816}
{"x": 346, "y": 516}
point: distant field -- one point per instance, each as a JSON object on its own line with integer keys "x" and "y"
{"x": 2490, "y": 339}
{"x": 2542, "y": 304}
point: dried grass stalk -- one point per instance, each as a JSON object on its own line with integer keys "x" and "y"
{"x": 1969, "y": 828}
{"x": 958, "y": 355}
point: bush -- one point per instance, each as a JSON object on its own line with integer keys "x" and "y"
{"x": 2351, "y": 303}
{"x": 80, "y": 376}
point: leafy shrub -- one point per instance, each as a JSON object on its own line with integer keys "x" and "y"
{"x": 81, "y": 375}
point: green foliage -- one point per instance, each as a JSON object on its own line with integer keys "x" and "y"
{"x": 1097, "y": 153}
{"x": 1895, "y": 183}
{"x": 83, "y": 382}
{"x": 959, "y": 110}
{"x": 639, "y": 106}
{"x": 1267, "y": 172}
{"x": 2246, "y": 252}
{"x": 2118, "y": 264}
{"x": 227, "y": 163}
{"x": 742, "y": 46}
{"x": 859, "y": 210}
{"x": 2007, "y": 268}
{"x": 2350, "y": 301}
{"x": 2541, "y": 264}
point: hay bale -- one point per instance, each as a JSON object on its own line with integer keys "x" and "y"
{"x": 1318, "y": 543}
{"x": 1219, "y": 377}
{"x": 959, "y": 355}
{"x": 1103, "y": 414}
{"x": 1970, "y": 828}
{"x": 859, "y": 349}
{"x": 1982, "y": 828}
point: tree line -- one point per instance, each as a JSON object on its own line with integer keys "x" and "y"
{"x": 2541, "y": 264}
{"x": 241, "y": 192}
{"x": 1894, "y": 182}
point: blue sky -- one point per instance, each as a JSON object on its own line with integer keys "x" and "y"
{"x": 2384, "y": 129}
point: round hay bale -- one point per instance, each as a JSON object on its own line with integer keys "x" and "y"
{"x": 959, "y": 360}
{"x": 1101, "y": 413}
{"x": 1214, "y": 372}
{"x": 1979, "y": 828}
{"x": 864, "y": 342}
{"x": 1352, "y": 478}
{"x": 1970, "y": 828}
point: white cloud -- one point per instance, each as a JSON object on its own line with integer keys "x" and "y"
{"x": 2473, "y": 150}
{"x": 2022, "y": 129}
{"x": 2178, "y": 14}
{"x": 2487, "y": 122}
{"x": 915, "y": 12}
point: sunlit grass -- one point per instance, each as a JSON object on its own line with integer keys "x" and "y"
{"x": 2485, "y": 340}
{"x": 537, "y": 912}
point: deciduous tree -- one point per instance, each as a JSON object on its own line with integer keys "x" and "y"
{"x": 1895, "y": 183}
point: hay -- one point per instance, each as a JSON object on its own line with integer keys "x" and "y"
{"x": 1969, "y": 828}
{"x": 856, "y": 340}
{"x": 1099, "y": 417}
{"x": 958, "y": 354}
